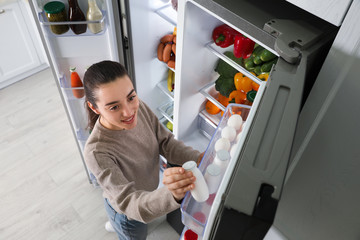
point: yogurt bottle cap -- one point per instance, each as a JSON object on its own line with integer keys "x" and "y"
{"x": 223, "y": 155}
{"x": 189, "y": 165}
{"x": 213, "y": 170}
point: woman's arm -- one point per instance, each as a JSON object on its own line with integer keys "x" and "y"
{"x": 136, "y": 204}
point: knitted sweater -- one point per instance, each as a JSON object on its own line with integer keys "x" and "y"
{"x": 126, "y": 165}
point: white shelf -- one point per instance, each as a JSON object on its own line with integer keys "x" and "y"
{"x": 167, "y": 110}
{"x": 218, "y": 51}
{"x": 167, "y": 13}
{"x": 163, "y": 87}
{"x": 68, "y": 91}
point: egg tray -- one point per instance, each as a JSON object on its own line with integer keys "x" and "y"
{"x": 194, "y": 214}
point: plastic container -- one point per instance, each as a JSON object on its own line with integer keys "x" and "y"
{"x": 195, "y": 214}
{"x": 55, "y": 12}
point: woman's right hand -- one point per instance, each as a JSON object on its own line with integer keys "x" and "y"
{"x": 178, "y": 181}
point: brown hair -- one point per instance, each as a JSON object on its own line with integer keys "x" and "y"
{"x": 96, "y": 75}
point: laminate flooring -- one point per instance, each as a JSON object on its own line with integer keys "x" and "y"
{"x": 44, "y": 191}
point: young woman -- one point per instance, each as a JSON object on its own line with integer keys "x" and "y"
{"x": 123, "y": 153}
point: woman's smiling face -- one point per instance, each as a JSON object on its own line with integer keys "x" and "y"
{"x": 117, "y": 104}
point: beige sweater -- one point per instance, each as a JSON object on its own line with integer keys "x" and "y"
{"x": 126, "y": 165}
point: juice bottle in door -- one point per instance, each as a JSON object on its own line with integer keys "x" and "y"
{"x": 75, "y": 14}
{"x": 94, "y": 14}
{"x": 76, "y": 83}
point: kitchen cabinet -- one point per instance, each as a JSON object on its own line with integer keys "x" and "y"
{"x": 21, "y": 53}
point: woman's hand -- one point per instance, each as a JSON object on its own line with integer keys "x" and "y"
{"x": 178, "y": 181}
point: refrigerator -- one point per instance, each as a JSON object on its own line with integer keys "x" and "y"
{"x": 290, "y": 177}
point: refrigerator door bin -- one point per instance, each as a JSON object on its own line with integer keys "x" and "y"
{"x": 46, "y": 25}
{"x": 68, "y": 91}
{"x": 195, "y": 214}
{"x": 167, "y": 110}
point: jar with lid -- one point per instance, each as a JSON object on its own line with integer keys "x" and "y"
{"x": 55, "y": 12}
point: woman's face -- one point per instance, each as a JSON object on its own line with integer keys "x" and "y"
{"x": 117, "y": 104}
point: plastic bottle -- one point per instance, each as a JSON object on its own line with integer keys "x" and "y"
{"x": 213, "y": 177}
{"x": 94, "y": 14}
{"x": 222, "y": 159}
{"x": 75, "y": 82}
{"x": 200, "y": 192}
{"x": 75, "y": 14}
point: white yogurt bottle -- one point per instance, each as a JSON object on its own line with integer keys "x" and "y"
{"x": 222, "y": 159}
{"x": 213, "y": 177}
{"x": 200, "y": 192}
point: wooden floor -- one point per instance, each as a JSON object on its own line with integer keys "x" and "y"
{"x": 44, "y": 191}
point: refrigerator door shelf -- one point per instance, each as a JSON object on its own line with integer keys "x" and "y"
{"x": 218, "y": 51}
{"x": 195, "y": 214}
{"x": 167, "y": 13}
{"x": 46, "y": 26}
{"x": 68, "y": 91}
{"x": 163, "y": 87}
{"x": 167, "y": 110}
{"x": 82, "y": 135}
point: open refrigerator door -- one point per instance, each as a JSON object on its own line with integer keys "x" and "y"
{"x": 66, "y": 50}
{"x": 256, "y": 171}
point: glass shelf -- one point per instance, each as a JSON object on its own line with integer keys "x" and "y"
{"x": 219, "y": 52}
{"x": 167, "y": 111}
{"x": 68, "y": 91}
{"x": 167, "y": 13}
{"x": 163, "y": 87}
{"x": 44, "y": 22}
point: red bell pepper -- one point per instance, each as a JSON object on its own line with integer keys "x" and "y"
{"x": 224, "y": 35}
{"x": 243, "y": 46}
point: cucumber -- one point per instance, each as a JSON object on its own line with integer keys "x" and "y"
{"x": 257, "y": 60}
{"x": 266, "y": 55}
{"x": 266, "y": 67}
{"x": 257, "y": 70}
{"x": 257, "y": 50}
{"x": 249, "y": 64}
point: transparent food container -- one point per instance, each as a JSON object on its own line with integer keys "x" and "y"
{"x": 195, "y": 214}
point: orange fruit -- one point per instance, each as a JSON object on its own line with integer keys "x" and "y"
{"x": 211, "y": 108}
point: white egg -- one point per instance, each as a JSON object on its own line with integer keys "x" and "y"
{"x": 222, "y": 143}
{"x": 233, "y": 149}
{"x": 235, "y": 121}
{"x": 229, "y": 133}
